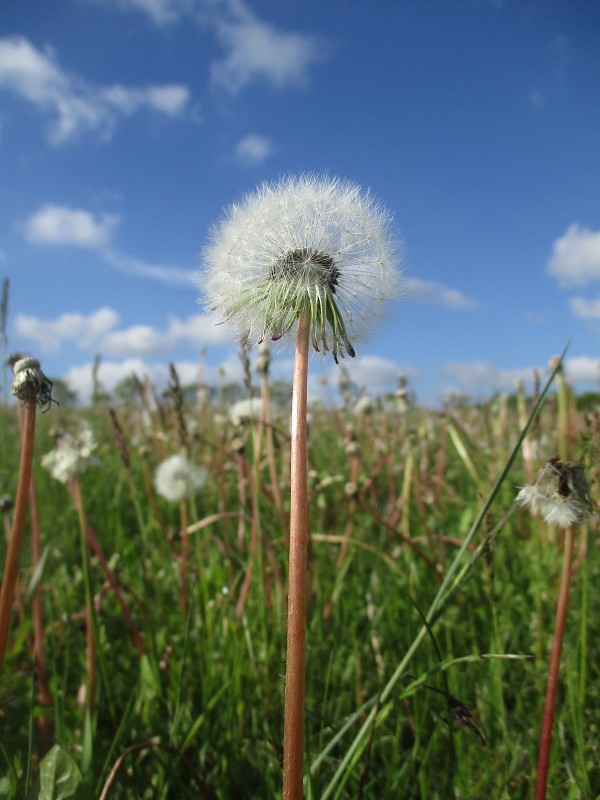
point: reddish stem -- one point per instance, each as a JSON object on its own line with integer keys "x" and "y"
{"x": 11, "y": 565}
{"x": 293, "y": 733}
{"x": 553, "y": 668}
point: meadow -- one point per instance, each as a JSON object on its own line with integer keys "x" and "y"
{"x": 412, "y": 518}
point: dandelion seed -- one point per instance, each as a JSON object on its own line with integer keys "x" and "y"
{"x": 560, "y": 494}
{"x": 175, "y": 478}
{"x": 72, "y": 455}
{"x": 306, "y": 245}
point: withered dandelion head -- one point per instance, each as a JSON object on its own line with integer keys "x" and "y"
{"x": 177, "y": 478}
{"x": 305, "y": 245}
{"x": 560, "y": 494}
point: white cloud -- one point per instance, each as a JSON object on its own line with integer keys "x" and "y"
{"x": 257, "y": 50}
{"x": 575, "y": 259}
{"x": 97, "y": 333}
{"x": 377, "y": 374}
{"x": 480, "y": 376}
{"x": 111, "y": 373}
{"x": 254, "y": 49}
{"x": 200, "y": 329}
{"x": 434, "y": 293}
{"x": 74, "y": 106}
{"x": 59, "y": 225}
{"x": 139, "y": 340}
{"x": 583, "y": 369}
{"x": 161, "y": 12}
{"x": 84, "y": 331}
{"x": 253, "y": 149}
{"x": 585, "y": 309}
{"x": 170, "y": 100}
{"x": 163, "y": 273}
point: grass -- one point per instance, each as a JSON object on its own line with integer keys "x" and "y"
{"x": 392, "y": 498}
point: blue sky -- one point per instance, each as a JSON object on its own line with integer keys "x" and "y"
{"x": 127, "y": 125}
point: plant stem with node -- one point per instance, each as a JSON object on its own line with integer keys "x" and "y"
{"x": 11, "y": 566}
{"x": 293, "y": 733}
{"x": 553, "y": 668}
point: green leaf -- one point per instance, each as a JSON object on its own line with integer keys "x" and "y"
{"x": 60, "y": 777}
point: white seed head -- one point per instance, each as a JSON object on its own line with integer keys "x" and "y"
{"x": 304, "y": 245}
{"x": 246, "y": 410}
{"x": 72, "y": 455}
{"x": 560, "y": 494}
{"x": 175, "y": 478}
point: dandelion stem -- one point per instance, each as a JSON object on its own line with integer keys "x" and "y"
{"x": 293, "y": 734}
{"x": 11, "y": 566}
{"x": 90, "y": 638}
{"x": 553, "y": 668}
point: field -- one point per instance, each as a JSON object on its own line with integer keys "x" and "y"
{"x": 185, "y": 675}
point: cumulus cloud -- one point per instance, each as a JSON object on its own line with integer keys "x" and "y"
{"x": 139, "y": 340}
{"x": 200, "y": 328}
{"x": 434, "y": 293}
{"x": 585, "y": 309}
{"x": 60, "y": 225}
{"x": 161, "y": 12}
{"x": 482, "y": 377}
{"x": 583, "y": 369}
{"x": 575, "y": 259}
{"x": 256, "y": 50}
{"x": 74, "y": 106}
{"x": 98, "y": 333}
{"x": 111, "y": 373}
{"x": 378, "y": 374}
{"x": 50, "y": 335}
{"x": 171, "y": 100}
{"x": 253, "y": 149}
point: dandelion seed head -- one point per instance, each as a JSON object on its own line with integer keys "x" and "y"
{"x": 304, "y": 245}
{"x": 176, "y": 478}
{"x": 247, "y": 410}
{"x": 72, "y": 455}
{"x": 560, "y": 494}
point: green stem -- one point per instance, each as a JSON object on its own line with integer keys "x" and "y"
{"x": 293, "y": 734}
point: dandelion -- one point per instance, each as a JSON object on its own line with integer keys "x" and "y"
{"x": 309, "y": 246}
{"x": 175, "y": 479}
{"x": 32, "y": 388}
{"x": 312, "y": 257}
{"x": 246, "y": 410}
{"x": 72, "y": 455}
{"x": 560, "y": 494}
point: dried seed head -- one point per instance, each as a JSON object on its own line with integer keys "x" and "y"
{"x": 30, "y": 383}
{"x": 560, "y": 493}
